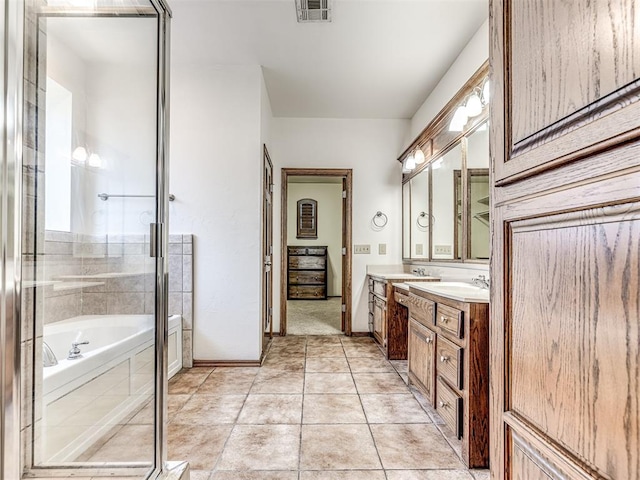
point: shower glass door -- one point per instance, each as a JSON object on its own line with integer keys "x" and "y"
{"x": 93, "y": 180}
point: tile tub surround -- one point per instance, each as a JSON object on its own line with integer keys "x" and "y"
{"x": 311, "y": 412}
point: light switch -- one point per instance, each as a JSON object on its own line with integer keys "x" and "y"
{"x": 382, "y": 249}
{"x": 419, "y": 249}
{"x": 442, "y": 249}
{"x": 361, "y": 249}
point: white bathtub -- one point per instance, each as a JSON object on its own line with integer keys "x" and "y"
{"x": 112, "y": 381}
{"x": 112, "y": 339}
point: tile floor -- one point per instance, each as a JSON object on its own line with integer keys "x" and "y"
{"x": 320, "y": 408}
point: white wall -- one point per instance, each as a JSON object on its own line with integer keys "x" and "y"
{"x": 216, "y": 166}
{"x": 468, "y": 62}
{"x": 329, "y": 209}
{"x": 369, "y": 147}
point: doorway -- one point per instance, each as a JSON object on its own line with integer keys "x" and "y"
{"x": 267, "y": 249}
{"x": 315, "y": 274}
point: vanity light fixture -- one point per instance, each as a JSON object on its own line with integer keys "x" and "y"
{"x": 474, "y": 104}
{"x": 486, "y": 91}
{"x": 95, "y": 161}
{"x": 459, "y": 120}
{"x": 418, "y": 156}
{"x": 80, "y": 154}
{"x": 471, "y": 107}
{"x": 410, "y": 163}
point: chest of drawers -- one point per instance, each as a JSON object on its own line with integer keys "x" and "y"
{"x": 307, "y": 272}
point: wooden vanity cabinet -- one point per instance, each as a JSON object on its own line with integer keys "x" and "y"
{"x": 449, "y": 363}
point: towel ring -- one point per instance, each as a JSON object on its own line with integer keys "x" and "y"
{"x": 379, "y": 219}
{"x": 423, "y": 215}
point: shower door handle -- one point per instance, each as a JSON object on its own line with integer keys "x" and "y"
{"x": 155, "y": 245}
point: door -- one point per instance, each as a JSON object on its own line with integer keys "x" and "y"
{"x": 565, "y": 326}
{"x": 267, "y": 247}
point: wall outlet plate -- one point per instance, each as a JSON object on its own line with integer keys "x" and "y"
{"x": 442, "y": 249}
{"x": 361, "y": 249}
{"x": 419, "y": 249}
{"x": 382, "y": 249}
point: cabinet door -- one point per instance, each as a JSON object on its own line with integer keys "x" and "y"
{"x": 565, "y": 308}
{"x": 379, "y": 320}
{"x": 420, "y": 358}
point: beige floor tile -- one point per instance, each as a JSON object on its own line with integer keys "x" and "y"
{"x": 237, "y": 370}
{"x": 325, "y": 351}
{"x": 294, "y": 349}
{"x": 413, "y": 447}
{"x": 357, "y": 340}
{"x": 329, "y": 383}
{"x": 271, "y": 409}
{"x": 210, "y": 410}
{"x": 256, "y": 475}
{"x": 186, "y": 383}
{"x": 329, "y": 408}
{"x": 324, "y": 340}
{"x": 132, "y": 443}
{"x": 146, "y": 415}
{"x": 393, "y": 408}
{"x": 199, "y": 446}
{"x": 367, "y": 350}
{"x": 343, "y": 475}
{"x": 285, "y": 364}
{"x": 327, "y": 365}
{"x": 261, "y": 447}
{"x": 379, "y": 383}
{"x": 278, "y": 381}
{"x": 370, "y": 365}
{"x": 324, "y": 447}
{"x": 199, "y": 475}
{"x": 481, "y": 474}
{"x": 428, "y": 475}
{"x": 175, "y": 404}
{"x": 227, "y": 384}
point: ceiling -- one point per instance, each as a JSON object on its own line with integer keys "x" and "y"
{"x": 376, "y": 59}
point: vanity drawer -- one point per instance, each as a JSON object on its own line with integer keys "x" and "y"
{"x": 401, "y": 298}
{"x": 449, "y": 361}
{"x": 380, "y": 287}
{"x": 449, "y": 406}
{"x": 421, "y": 309}
{"x": 306, "y": 291}
{"x": 307, "y": 277}
{"x": 450, "y": 320}
{"x": 310, "y": 263}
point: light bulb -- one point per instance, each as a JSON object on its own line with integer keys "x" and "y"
{"x": 95, "y": 161}
{"x": 459, "y": 120}
{"x": 410, "y": 163}
{"x": 474, "y": 105}
{"x": 418, "y": 156}
{"x": 80, "y": 154}
{"x": 486, "y": 92}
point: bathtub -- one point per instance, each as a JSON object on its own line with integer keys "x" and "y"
{"x": 112, "y": 381}
{"x": 112, "y": 339}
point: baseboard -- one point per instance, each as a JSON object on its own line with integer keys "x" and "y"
{"x": 226, "y": 363}
{"x": 361, "y": 334}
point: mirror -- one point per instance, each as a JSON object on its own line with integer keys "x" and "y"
{"x": 419, "y": 223}
{"x": 447, "y": 211}
{"x": 478, "y": 193}
{"x": 406, "y": 220}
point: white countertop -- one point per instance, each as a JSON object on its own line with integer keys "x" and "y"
{"x": 463, "y": 292}
{"x": 401, "y": 285}
{"x": 403, "y": 276}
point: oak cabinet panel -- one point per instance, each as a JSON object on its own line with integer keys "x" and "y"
{"x": 421, "y": 358}
{"x": 379, "y": 320}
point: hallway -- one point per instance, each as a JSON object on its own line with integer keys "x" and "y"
{"x": 318, "y": 404}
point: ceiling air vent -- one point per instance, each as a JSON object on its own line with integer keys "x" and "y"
{"x": 313, "y": 10}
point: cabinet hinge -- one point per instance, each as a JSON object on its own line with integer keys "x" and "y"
{"x": 344, "y": 307}
{"x": 271, "y": 187}
{"x": 344, "y": 194}
{"x": 344, "y": 250}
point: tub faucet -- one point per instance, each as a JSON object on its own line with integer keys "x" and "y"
{"x": 75, "y": 353}
{"x": 48, "y": 357}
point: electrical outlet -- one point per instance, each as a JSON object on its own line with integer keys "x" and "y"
{"x": 419, "y": 249}
{"x": 361, "y": 249}
{"x": 442, "y": 249}
{"x": 382, "y": 249}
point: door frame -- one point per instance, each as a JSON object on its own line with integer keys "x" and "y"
{"x": 347, "y": 207}
{"x": 267, "y": 238}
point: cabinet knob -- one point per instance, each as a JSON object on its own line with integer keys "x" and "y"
{"x": 444, "y": 319}
{"x": 429, "y": 340}
{"x": 443, "y": 404}
{"x": 444, "y": 358}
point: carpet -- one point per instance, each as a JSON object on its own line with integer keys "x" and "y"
{"x": 314, "y": 317}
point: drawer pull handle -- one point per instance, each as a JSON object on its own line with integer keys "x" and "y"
{"x": 443, "y": 404}
{"x": 428, "y": 340}
{"x": 444, "y": 319}
{"x": 444, "y": 358}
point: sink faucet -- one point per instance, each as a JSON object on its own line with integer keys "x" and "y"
{"x": 75, "y": 353}
{"x": 481, "y": 281}
{"x": 420, "y": 272}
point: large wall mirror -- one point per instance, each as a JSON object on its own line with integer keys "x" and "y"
{"x": 446, "y": 199}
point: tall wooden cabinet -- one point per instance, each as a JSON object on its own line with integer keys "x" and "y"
{"x": 565, "y": 326}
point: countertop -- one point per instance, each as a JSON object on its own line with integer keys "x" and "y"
{"x": 404, "y": 276}
{"x": 402, "y": 286}
{"x": 473, "y": 295}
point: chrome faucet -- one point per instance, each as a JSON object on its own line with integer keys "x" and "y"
{"x": 481, "y": 281}
{"x": 48, "y": 357}
{"x": 75, "y": 353}
{"x": 420, "y": 272}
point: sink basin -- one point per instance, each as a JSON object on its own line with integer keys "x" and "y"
{"x": 464, "y": 292}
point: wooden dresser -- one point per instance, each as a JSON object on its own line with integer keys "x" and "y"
{"x": 307, "y": 273}
{"x": 449, "y": 362}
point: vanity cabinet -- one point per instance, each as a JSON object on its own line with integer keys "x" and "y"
{"x": 388, "y": 313}
{"x": 449, "y": 362}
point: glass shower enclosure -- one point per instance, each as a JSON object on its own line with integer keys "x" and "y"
{"x": 94, "y": 229}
